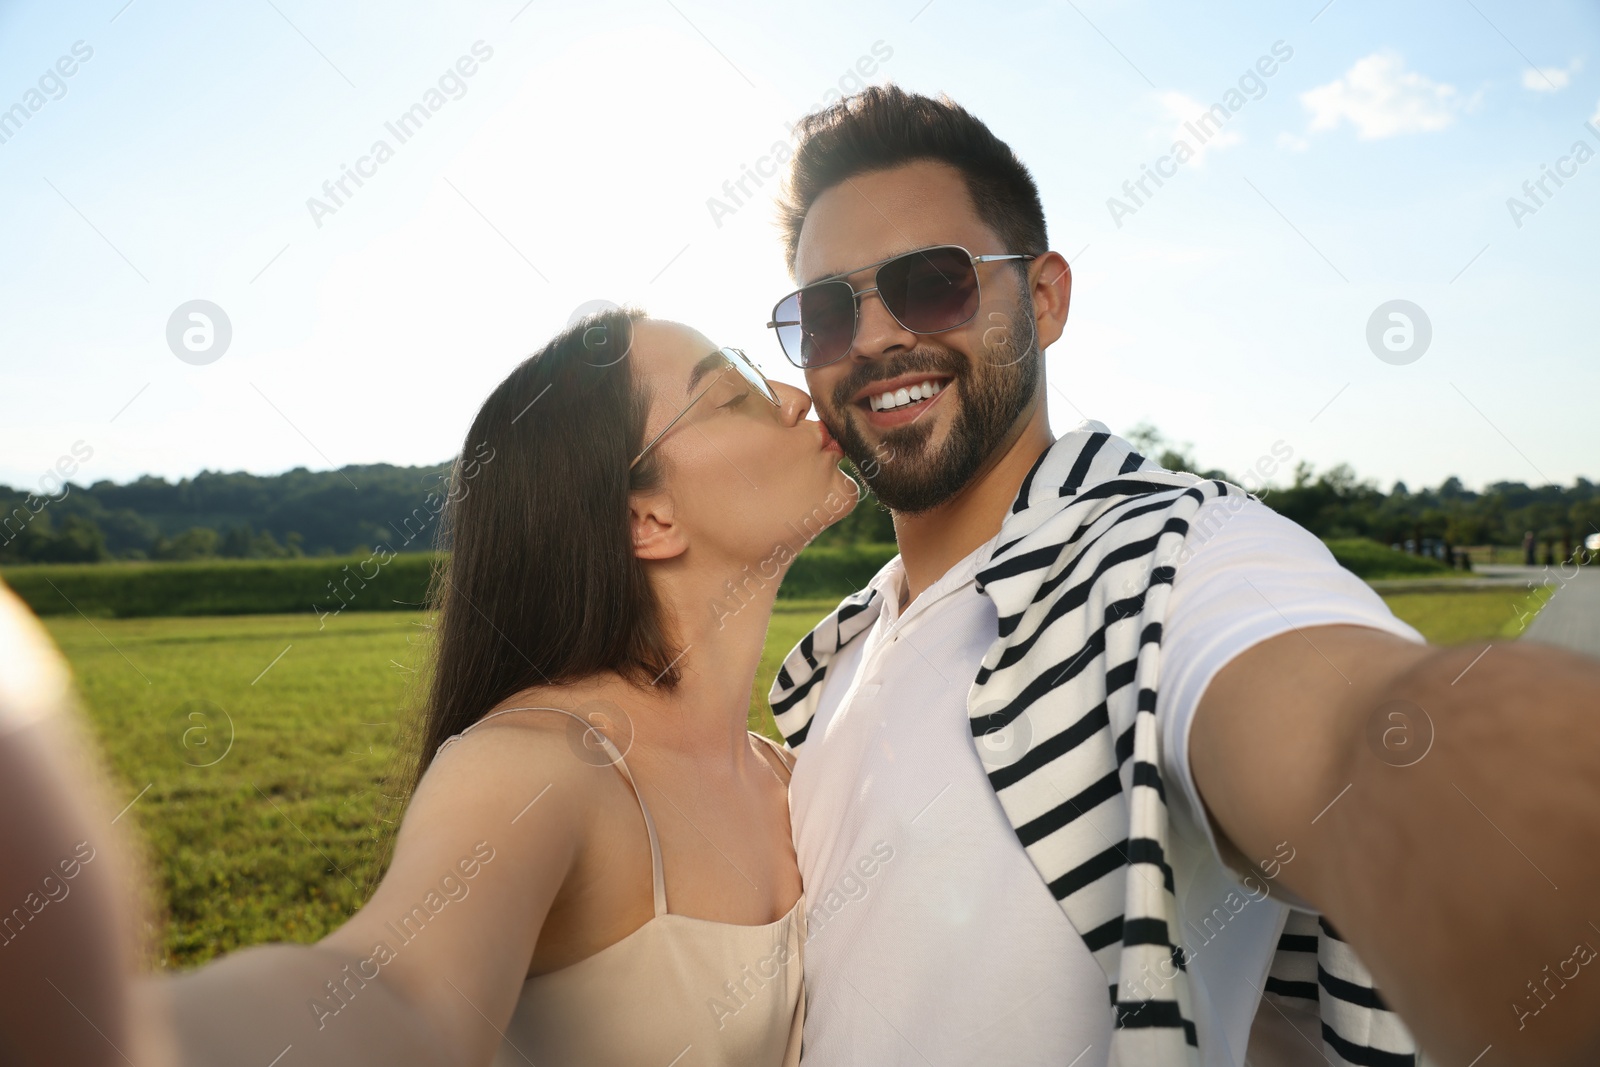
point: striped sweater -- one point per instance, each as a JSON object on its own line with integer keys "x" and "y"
{"x": 1080, "y": 580}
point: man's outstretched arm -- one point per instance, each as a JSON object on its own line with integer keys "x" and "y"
{"x": 1444, "y": 808}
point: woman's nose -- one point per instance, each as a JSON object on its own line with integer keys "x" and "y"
{"x": 795, "y": 404}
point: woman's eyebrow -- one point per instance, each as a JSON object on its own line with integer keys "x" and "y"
{"x": 710, "y": 362}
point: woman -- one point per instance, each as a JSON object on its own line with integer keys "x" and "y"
{"x": 595, "y": 866}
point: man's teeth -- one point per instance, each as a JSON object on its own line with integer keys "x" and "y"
{"x": 901, "y": 397}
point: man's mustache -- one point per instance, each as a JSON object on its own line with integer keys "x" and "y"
{"x": 926, "y": 360}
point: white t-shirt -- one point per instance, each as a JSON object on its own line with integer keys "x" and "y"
{"x": 932, "y": 938}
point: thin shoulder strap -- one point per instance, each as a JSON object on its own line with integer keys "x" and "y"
{"x": 657, "y": 878}
{"x": 785, "y": 755}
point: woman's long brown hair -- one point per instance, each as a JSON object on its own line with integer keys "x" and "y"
{"x": 536, "y": 582}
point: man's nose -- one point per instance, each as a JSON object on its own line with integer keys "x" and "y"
{"x": 878, "y": 333}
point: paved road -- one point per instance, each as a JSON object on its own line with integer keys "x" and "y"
{"x": 1571, "y": 618}
{"x": 1483, "y": 576}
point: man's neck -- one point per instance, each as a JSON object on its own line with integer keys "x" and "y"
{"x": 934, "y": 541}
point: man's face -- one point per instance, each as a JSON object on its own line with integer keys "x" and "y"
{"x": 983, "y": 374}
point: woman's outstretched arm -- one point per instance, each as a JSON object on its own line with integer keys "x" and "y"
{"x": 428, "y": 972}
{"x": 250, "y": 1008}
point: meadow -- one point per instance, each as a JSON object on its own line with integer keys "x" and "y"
{"x": 255, "y": 751}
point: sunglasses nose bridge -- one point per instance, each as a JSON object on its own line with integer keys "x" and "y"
{"x": 888, "y": 311}
{"x": 857, "y": 294}
{"x": 893, "y": 317}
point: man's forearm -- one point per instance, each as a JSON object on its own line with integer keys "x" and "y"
{"x": 256, "y": 1004}
{"x": 1466, "y": 874}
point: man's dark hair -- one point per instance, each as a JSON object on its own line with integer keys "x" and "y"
{"x": 884, "y": 126}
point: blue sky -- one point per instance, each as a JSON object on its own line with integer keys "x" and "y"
{"x": 579, "y": 159}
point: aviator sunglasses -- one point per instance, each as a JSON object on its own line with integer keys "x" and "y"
{"x": 725, "y": 359}
{"x": 929, "y": 290}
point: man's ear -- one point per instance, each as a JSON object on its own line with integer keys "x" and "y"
{"x": 655, "y": 533}
{"x": 1052, "y": 293}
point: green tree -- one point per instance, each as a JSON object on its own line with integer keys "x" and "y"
{"x": 197, "y": 542}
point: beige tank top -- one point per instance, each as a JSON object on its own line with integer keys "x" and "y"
{"x": 677, "y": 992}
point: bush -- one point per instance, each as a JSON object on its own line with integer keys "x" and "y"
{"x": 325, "y": 584}
{"x": 128, "y": 589}
{"x": 1368, "y": 559}
{"x": 223, "y": 587}
{"x": 833, "y": 572}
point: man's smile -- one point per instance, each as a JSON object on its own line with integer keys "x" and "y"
{"x": 897, "y": 401}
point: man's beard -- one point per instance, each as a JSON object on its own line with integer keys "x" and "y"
{"x": 995, "y": 389}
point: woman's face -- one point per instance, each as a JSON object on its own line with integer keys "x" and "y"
{"x": 743, "y": 479}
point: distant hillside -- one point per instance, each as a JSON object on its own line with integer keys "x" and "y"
{"x": 240, "y": 515}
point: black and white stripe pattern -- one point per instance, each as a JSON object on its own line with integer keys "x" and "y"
{"x": 1068, "y": 693}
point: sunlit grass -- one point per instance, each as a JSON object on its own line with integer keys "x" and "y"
{"x": 1451, "y": 618}
{"x": 254, "y": 749}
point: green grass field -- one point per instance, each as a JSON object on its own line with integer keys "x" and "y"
{"x": 253, "y": 750}
{"x": 1451, "y": 618}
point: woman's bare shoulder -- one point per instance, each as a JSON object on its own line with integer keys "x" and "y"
{"x": 529, "y": 732}
{"x": 558, "y": 732}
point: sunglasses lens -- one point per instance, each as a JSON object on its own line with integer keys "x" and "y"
{"x": 788, "y": 312}
{"x": 930, "y": 291}
{"x": 752, "y": 373}
{"x": 827, "y": 317}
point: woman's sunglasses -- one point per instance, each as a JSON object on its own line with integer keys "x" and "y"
{"x": 732, "y": 359}
{"x": 930, "y": 290}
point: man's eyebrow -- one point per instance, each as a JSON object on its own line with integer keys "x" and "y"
{"x": 708, "y": 363}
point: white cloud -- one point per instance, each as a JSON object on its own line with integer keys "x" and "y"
{"x": 1193, "y": 121}
{"x": 1292, "y": 142}
{"x": 1380, "y": 98}
{"x": 1550, "y": 79}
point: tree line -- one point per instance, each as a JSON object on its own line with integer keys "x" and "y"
{"x": 217, "y": 515}
{"x": 351, "y": 510}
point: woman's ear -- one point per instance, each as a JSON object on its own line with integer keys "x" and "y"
{"x": 655, "y": 533}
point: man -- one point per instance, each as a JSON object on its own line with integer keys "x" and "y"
{"x": 1113, "y": 764}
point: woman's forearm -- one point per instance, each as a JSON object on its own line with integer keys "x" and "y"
{"x": 255, "y": 1006}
